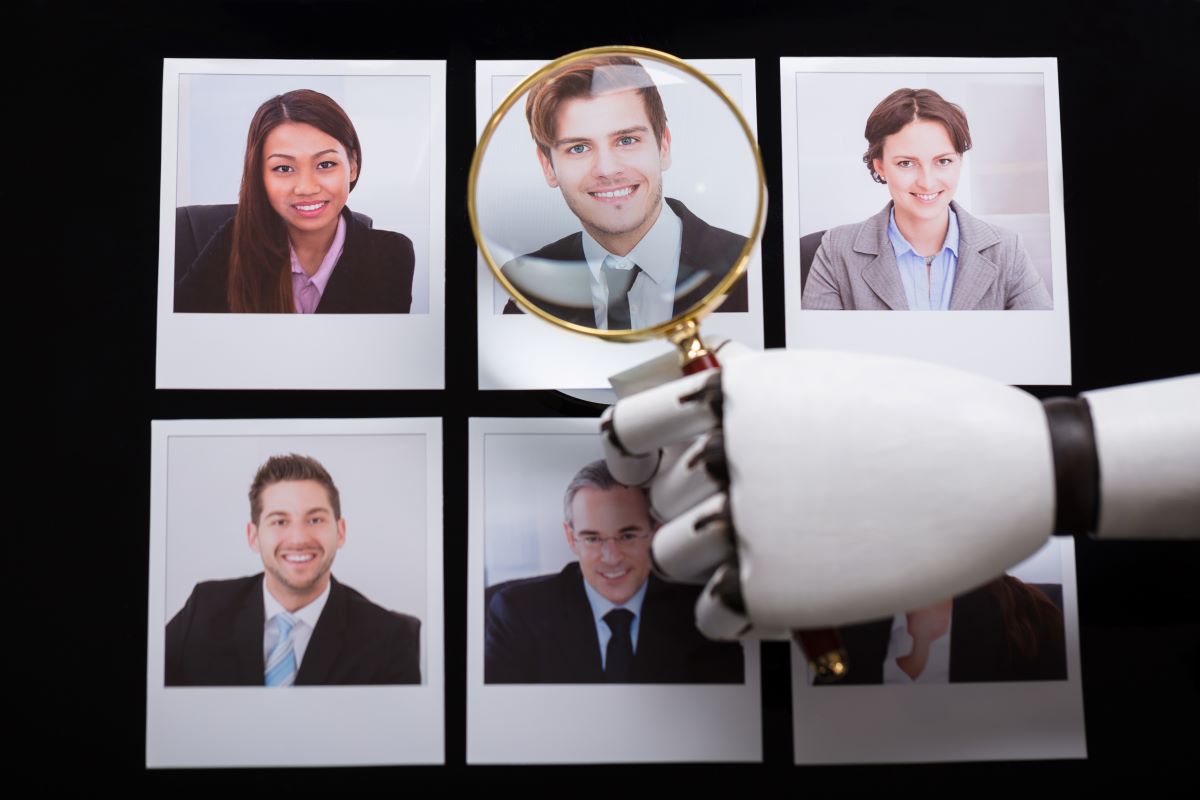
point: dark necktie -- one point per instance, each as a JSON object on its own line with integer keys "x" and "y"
{"x": 618, "y": 658}
{"x": 619, "y": 282}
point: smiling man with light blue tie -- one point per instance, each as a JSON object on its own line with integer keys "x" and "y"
{"x": 294, "y": 623}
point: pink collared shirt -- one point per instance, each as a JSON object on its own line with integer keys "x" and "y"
{"x": 306, "y": 291}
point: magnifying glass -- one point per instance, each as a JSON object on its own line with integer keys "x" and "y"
{"x": 658, "y": 197}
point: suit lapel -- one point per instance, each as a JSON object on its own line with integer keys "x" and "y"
{"x": 580, "y": 645}
{"x": 975, "y": 274}
{"x": 327, "y": 639}
{"x": 882, "y": 273}
{"x": 248, "y": 637}
{"x": 658, "y": 655}
{"x": 334, "y": 299}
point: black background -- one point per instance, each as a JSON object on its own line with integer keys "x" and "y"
{"x": 1128, "y": 86}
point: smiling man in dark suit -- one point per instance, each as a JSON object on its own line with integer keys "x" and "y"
{"x": 603, "y": 142}
{"x": 604, "y": 618}
{"x": 293, "y": 623}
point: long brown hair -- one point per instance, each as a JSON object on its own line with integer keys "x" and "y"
{"x": 1030, "y": 617}
{"x": 260, "y": 280}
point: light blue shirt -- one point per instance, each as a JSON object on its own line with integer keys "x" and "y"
{"x": 601, "y": 605}
{"x": 927, "y": 288}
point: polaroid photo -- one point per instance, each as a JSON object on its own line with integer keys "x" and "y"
{"x": 700, "y": 182}
{"x": 295, "y": 590}
{"x": 927, "y": 184}
{"x": 992, "y": 674}
{"x": 576, "y": 652}
{"x": 302, "y": 201}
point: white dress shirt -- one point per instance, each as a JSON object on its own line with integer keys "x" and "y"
{"x": 601, "y": 605}
{"x": 937, "y": 668}
{"x": 652, "y": 296}
{"x": 306, "y": 620}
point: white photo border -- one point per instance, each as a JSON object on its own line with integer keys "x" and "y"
{"x": 560, "y": 724}
{"x": 341, "y": 351}
{"x": 1026, "y": 347}
{"x": 246, "y": 726}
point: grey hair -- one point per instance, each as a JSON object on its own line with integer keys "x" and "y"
{"x": 593, "y": 476}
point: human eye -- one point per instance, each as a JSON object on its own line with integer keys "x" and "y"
{"x": 629, "y": 538}
{"x": 904, "y": 163}
{"x": 327, "y": 165}
{"x": 283, "y": 168}
{"x": 945, "y": 162}
{"x": 577, "y": 149}
{"x": 626, "y": 141}
{"x": 590, "y": 539}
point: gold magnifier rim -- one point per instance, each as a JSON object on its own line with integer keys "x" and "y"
{"x": 713, "y": 298}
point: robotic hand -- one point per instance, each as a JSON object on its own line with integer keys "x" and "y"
{"x": 810, "y": 489}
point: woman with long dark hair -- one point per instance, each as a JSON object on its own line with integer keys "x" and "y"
{"x": 293, "y": 246}
{"x": 923, "y": 251}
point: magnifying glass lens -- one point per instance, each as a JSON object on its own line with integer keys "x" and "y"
{"x": 618, "y": 193}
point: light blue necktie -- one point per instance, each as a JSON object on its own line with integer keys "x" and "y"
{"x": 281, "y": 662}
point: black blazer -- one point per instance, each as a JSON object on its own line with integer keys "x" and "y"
{"x": 216, "y": 639}
{"x": 373, "y": 276}
{"x": 542, "y": 630}
{"x": 705, "y": 255}
{"x": 979, "y": 649}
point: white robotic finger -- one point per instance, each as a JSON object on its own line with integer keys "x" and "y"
{"x": 692, "y": 545}
{"x": 631, "y": 470}
{"x": 690, "y": 479}
{"x": 674, "y": 412}
{"x": 715, "y": 618}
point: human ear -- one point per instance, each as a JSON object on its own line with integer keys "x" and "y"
{"x": 570, "y": 539}
{"x": 664, "y": 149}
{"x": 252, "y": 536}
{"x": 341, "y": 537}
{"x": 547, "y": 168}
{"x": 353, "y": 167}
{"x": 877, "y": 165}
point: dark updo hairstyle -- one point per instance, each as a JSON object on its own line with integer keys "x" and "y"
{"x": 909, "y": 105}
{"x": 259, "y": 273}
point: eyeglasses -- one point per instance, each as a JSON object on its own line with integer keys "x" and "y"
{"x": 594, "y": 543}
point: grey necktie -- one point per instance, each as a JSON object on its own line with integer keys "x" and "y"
{"x": 619, "y": 282}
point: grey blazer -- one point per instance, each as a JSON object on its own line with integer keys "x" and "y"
{"x": 855, "y": 269}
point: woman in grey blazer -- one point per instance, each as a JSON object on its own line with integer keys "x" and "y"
{"x": 923, "y": 251}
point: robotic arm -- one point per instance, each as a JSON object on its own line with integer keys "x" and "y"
{"x": 810, "y": 489}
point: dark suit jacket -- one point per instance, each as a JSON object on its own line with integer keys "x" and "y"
{"x": 979, "y": 650}
{"x": 216, "y": 639}
{"x": 373, "y": 276}
{"x": 542, "y": 630}
{"x": 705, "y": 256}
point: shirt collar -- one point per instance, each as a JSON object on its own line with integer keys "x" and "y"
{"x": 901, "y": 245}
{"x": 308, "y": 614}
{"x": 601, "y": 605}
{"x": 321, "y": 276}
{"x": 657, "y": 253}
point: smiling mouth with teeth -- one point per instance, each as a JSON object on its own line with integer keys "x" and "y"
{"x": 311, "y": 206}
{"x": 614, "y": 194}
{"x": 299, "y": 558}
{"x": 926, "y": 197}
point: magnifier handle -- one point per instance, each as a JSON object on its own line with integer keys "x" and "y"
{"x": 701, "y": 363}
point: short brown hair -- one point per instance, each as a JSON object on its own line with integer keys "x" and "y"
{"x": 291, "y": 467}
{"x": 909, "y": 105}
{"x": 590, "y": 78}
